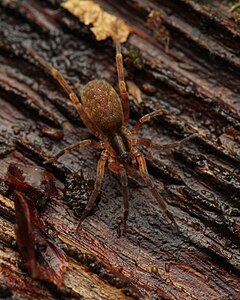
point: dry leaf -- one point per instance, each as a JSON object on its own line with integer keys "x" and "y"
{"x": 102, "y": 24}
{"x": 134, "y": 91}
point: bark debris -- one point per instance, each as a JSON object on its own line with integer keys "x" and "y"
{"x": 192, "y": 74}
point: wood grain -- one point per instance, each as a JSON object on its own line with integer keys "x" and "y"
{"x": 195, "y": 80}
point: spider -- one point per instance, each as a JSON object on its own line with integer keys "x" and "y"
{"x": 106, "y": 116}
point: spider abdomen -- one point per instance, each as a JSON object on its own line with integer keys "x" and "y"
{"x": 102, "y": 105}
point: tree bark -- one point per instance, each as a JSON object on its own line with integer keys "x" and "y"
{"x": 182, "y": 57}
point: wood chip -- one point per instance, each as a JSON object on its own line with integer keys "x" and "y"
{"x": 101, "y": 23}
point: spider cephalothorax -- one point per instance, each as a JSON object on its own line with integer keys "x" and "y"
{"x": 106, "y": 116}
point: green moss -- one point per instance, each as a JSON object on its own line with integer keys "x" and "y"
{"x": 134, "y": 58}
{"x": 235, "y": 7}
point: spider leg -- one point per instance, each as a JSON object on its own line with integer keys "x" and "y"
{"x": 117, "y": 168}
{"x": 144, "y": 119}
{"x": 97, "y": 187}
{"x": 121, "y": 82}
{"x": 150, "y": 144}
{"x": 144, "y": 173}
{"x": 72, "y": 96}
{"x": 76, "y": 86}
{"x": 81, "y": 144}
{"x": 124, "y": 182}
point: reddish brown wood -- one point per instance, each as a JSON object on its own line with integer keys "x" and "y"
{"x": 196, "y": 82}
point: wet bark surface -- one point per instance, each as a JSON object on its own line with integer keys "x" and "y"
{"x": 192, "y": 74}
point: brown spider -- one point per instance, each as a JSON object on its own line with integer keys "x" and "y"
{"x": 106, "y": 117}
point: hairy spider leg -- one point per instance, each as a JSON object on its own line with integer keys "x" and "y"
{"x": 124, "y": 182}
{"x": 144, "y": 173}
{"x": 117, "y": 168}
{"x": 81, "y": 144}
{"x": 97, "y": 187}
{"x": 76, "y": 86}
{"x": 144, "y": 119}
{"x": 148, "y": 143}
{"x": 121, "y": 82}
{"x": 73, "y": 97}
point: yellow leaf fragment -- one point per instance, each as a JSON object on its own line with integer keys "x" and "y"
{"x": 102, "y": 24}
{"x": 134, "y": 91}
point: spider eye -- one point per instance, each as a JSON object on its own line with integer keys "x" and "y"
{"x": 124, "y": 155}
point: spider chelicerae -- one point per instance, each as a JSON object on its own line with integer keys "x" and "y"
{"x": 106, "y": 116}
